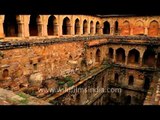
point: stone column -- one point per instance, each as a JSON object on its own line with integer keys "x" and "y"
{"x": 1, "y": 30}
{"x": 100, "y": 31}
{"x": 20, "y": 29}
{"x": 26, "y": 26}
{"x": 88, "y": 29}
{"x": 81, "y": 27}
{"x": 94, "y": 30}
{"x": 55, "y": 29}
{"x": 131, "y": 31}
{"x": 69, "y": 30}
{"x": 126, "y": 57}
{"x": 140, "y": 61}
{"x": 156, "y": 60}
{"x": 60, "y": 29}
{"x": 40, "y": 29}
{"x": 85, "y": 31}
{"x": 91, "y": 31}
{"x": 72, "y": 30}
{"x": 114, "y": 56}
{"x": 126, "y": 60}
{"x": 111, "y": 30}
{"x": 146, "y": 30}
{"x": 1, "y": 26}
{"x": 44, "y": 29}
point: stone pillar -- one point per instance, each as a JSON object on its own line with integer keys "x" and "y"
{"x": 88, "y": 29}
{"x": 20, "y": 29}
{"x": 60, "y": 29}
{"x": 94, "y": 30}
{"x": 111, "y": 30}
{"x": 140, "y": 61}
{"x": 114, "y": 56}
{"x": 72, "y": 26}
{"x": 91, "y": 31}
{"x": 100, "y": 31}
{"x": 1, "y": 26}
{"x": 72, "y": 30}
{"x": 55, "y": 30}
{"x": 146, "y": 30}
{"x": 1, "y": 30}
{"x": 156, "y": 60}
{"x": 44, "y": 29}
{"x": 40, "y": 29}
{"x": 126, "y": 60}
{"x": 81, "y": 27}
{"x": 26, "y": 26}
{"x": 69, "y": 30}
{"x": 126, "y": 57}
{"x": 131, "y": 31}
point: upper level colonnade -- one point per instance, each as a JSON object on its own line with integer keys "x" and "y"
{"x": 26, "y": 26}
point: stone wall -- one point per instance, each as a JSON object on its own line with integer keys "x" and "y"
{"x": 41, "y": 62}
{"x": 85, "y": 60}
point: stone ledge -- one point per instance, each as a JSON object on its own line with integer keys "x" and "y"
{"x": 12, "y": 43}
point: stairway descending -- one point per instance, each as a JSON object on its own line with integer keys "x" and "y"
{"x": 153, "y": 94}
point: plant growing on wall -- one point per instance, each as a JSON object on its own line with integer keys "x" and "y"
{"x": 69, "y": 81}
{"x": 61, "y": 83}
{"x": 68, "y": 78}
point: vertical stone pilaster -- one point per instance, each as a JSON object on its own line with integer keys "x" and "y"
{"x": 156, "y": 60}
{"x": 131, "y": 31}
{"x": 72, "y": 30}
{"x": 81, "y": 27}
{"x": 60, "y": 29}
{"x": 140, "y": 61}
{"x": 20, "y": 29}
{"x": 111, "y": 30}
{"x": 114, "y": 56}
{"x": 40, "y": 29}
{"x": 146, "y": 30}
{"x": 2, "y": 35}
{"x": 26, "y": 26}
{"x": 100, "y": 31}
{"x": 56, "y": 29}
{"x": 126, "y": 60}
{"x": 88, "y": 28}
{"x": 44, "y": 29}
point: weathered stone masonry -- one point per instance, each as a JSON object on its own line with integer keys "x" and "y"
{"x": 41, "y": 52}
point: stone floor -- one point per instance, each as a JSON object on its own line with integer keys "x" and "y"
{"x": 8, "y": 97}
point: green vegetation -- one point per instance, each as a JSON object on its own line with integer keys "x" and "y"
{"x": 13, "y": 101}
{"x": 16, "y": 101}
{"x": 61, "y": 83}
{"x": 68, "y": 78}
{"x": 25, "y": 100}
{"x": 54, "y": 102}
{"x": 22, "y": 95}
{"x": 69, "y": 81}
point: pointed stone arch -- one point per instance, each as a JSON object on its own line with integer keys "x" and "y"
{"x": 153, "y": 29}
